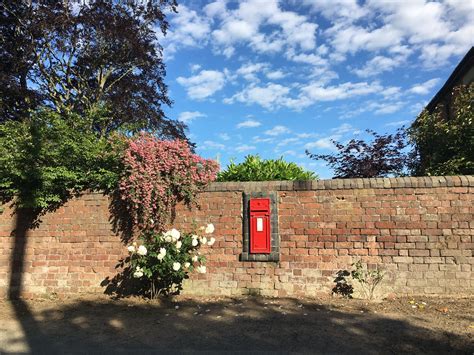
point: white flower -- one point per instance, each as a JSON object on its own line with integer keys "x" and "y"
{"x": 131, "y": 249}
{"x": 172, "y": 235}
{"x": 138, "y": 272}
{"x": 209, "y": 229}
{"x": 187, "y": 265}
{"x": 178, "y": 244}
{"x": 211, "y": 241}
{"x": 176, "y": 266}
{"x": 175, "y": 234}
{"x": 161, "y": 254}
{"x": 203, "y": 240}
{"x": 195, "y": 258}
{"x": 152, "y": 221}
{"x": 141, "y": 250}
{"x": 194, "y": 242}
{"x": 201, "y": 269}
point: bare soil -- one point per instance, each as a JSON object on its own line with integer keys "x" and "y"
{"x": 247, "y": 324}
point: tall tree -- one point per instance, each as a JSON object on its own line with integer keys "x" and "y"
{"x": 97, "y": 57}
{"x": 444, "y": 139}
{"x": 383, "y": 156}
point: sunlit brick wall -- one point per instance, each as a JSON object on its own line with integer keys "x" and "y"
{"x": 421, "y": 230}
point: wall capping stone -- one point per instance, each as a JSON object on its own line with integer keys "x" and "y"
{"x": 343, "y": 184}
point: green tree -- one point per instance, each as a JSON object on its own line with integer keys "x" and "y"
{"x": 253, "y": 168}
{"x": 444, "y": 139}
{"x": 47, "y": 159}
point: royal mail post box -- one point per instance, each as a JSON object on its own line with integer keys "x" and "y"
{"x": 260, "y": 226}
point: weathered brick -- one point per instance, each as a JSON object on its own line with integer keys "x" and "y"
{"x": 426, "y": 234}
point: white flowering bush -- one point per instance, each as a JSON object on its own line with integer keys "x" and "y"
{"x": 164, "y": 260}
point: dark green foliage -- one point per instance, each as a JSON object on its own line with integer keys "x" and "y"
{"x": 343, "y": 287}
{"x": 444, "y": 139}
{"x": 256, "y": 169}
{"x": 48, "y": 159}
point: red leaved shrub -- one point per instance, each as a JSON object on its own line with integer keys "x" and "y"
{"x": 159, "y": 174}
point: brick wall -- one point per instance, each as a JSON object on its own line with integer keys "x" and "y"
{"x": 421, "y": 230}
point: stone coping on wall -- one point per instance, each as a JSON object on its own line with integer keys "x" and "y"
{"x": 338, "y": 184}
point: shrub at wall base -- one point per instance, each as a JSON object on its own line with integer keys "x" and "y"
{"x": 158, "y": 175}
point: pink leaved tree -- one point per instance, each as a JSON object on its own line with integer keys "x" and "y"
{"x": 159, "y": 174}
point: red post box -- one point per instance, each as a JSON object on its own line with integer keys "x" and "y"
{"x": 260, "y": 226}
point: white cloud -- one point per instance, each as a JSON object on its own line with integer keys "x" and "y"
{"x": 296, "y": 28}
{"x": 424, "y": 88}
{"x": 249, "y": 124}
{"x": 337, "y": 9}
{"x": 275, "y": 75}
{"x": 435, "y": 55}
{"x": 285, "y": 142}
{"x": 234, "y": 31}
{"x": 355, "y": 38}
{"x": 277, "y": 130}
{"x": 273, "y": 96}
{"x": 188, "y": 116}
{"x": 244, "y": 25}
{"x": 258, "y": 139}
{"x": 216, "y": 9}
{"x": 195, "y": 67}
{"x": 313, "y": 59}
{"x": 244, "y": 148}
{"x": 406, "y": 17}
{"x": 307, "y": 135}
{"x": 323, "y": 143}
{"x": 439, "y": 30}
{"x": 343, "y": 128}
{"x": 316, "y": 92}
{"x": 380, "y": 64}
{"x": 289, "y": 152}
{"x": 208, "y": 144}
{"x": 204, "y": 84}
{"x": 385, "y": 108}
{"x": 391, "y": 92}
{"x": 270, "y": 96}
{"x": 224, "y": 136}
{"x": 187, "y": 29}
{"x": 249, "y": 71}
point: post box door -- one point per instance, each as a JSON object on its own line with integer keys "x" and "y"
{"x": 260, "y": 241}
{"x": 259, "y": 233}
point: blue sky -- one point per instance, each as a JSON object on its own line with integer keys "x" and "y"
{"x": 276, "y": 78}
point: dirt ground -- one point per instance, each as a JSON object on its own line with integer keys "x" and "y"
{"x": 248, "y": 324}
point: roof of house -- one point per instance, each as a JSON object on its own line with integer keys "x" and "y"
{"x": 462, "y": 68}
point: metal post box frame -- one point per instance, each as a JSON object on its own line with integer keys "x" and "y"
{"x": 274, "y": 255}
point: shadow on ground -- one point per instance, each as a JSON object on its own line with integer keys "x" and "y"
{"x": 250, "y": 325}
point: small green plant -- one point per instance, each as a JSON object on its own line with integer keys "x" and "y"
{"x": 254, "y": 168}
{"x": 368, "y": 279}
{"x": 163, "y": 260}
